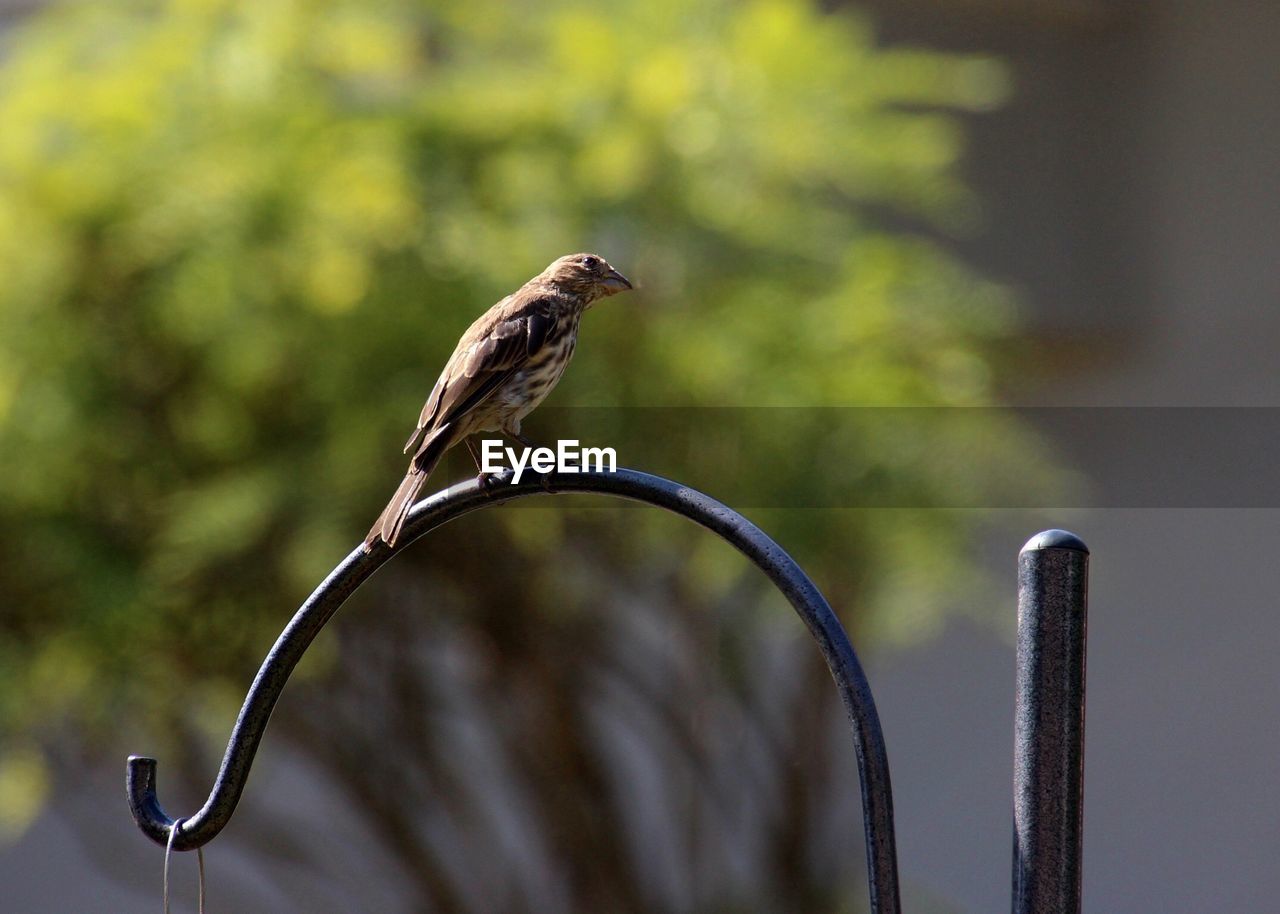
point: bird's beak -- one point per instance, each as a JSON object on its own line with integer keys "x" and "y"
{"x": 615, "y": 282}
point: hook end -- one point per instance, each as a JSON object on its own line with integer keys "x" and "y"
{"x": 140, "y": 784}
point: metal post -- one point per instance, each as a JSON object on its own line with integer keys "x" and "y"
{"x": 1048, "y": 770}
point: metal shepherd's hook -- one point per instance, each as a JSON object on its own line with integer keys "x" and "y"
{"x": 873, "y": 766}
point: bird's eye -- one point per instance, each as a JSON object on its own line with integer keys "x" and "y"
{"x": 591, "y": 263}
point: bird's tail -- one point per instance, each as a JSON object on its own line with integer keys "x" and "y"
{"x": 391, "y": 520}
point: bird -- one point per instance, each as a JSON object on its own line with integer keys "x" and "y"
{"x": 504, "y": 365}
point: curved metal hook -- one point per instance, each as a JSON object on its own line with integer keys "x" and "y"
{"x": 873, "y": 765}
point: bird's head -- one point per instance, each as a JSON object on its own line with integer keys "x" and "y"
{"x": 587, "y": 275}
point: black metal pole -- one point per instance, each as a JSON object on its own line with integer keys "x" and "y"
{"x": 868, "y": 739}
{"x": 1048, "y": 769}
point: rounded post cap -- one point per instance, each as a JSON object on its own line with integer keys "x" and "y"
{"x": 1055, "y": 539}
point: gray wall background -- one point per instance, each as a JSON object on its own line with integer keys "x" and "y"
{"x": 1134, "y": 196}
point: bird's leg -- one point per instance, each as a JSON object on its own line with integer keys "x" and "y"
{"x": 514, "y": 432}
{"x": 485, "y": 480}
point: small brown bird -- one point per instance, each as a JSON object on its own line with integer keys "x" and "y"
{"x": 503, "y": 367}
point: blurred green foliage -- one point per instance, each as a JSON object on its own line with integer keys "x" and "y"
{"x": 238, "y": 239}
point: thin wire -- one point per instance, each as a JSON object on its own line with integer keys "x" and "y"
{"x": 168, "y": 852}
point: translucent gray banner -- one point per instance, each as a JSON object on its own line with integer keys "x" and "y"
{"x": 938, "y": 457}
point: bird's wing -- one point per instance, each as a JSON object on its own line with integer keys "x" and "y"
{"x": 491, "y": 350}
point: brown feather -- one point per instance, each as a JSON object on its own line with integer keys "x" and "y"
{"x": 389, "y": 523}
